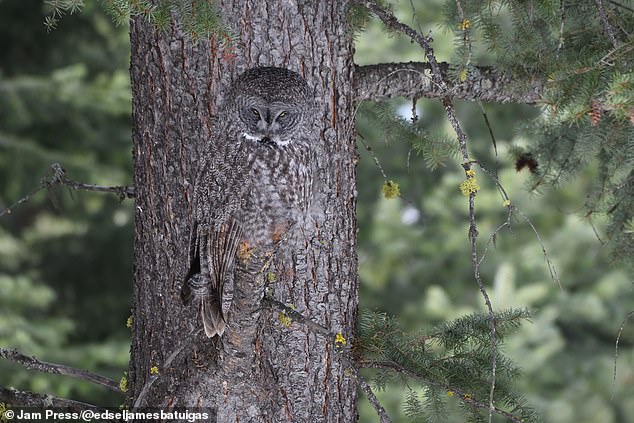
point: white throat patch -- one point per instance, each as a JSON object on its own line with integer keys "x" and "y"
{"x": 250, "y": 137}
{"x": 277, "y": 141}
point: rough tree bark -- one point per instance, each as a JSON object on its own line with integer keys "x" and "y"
{"x": 260, "y": 370}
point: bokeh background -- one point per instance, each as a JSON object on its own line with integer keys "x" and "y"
{"x": 66, "y": 257}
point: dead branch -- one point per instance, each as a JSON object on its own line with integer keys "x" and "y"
{"x": 298, "y": 317}
{"x": 33, "y": 363}
{"x": 56, "y": 176}
{"x": 16, "y": 398}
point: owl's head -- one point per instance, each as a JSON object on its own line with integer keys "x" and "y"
{"x": 274, "y": 106}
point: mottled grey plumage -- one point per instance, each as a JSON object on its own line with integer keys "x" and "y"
{"x": 255, "y": 183}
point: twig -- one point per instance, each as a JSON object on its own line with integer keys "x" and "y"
{"x": 512, "y": 208}
{"x": 16, "y": 398}
{"x": 465, "y": 35}
{"x": 622, "y": 50}
{"x": 374, "y": 157}
{"x": 617, "y": 4}
{"x": 616, "y": 348}
{"x": 57, "y": 176}
{"x": 606, "y": 23}
{"x": 551, "y": 267}
{"x": 488, "y": 124}
{"x": 414, "y": 17}
{"x": 594, "y": 229}
{"x": 460, "y": 10}
{"x": 463, "y": 396}
{"x": 562, "y": 16}
{"x": 425, "y": 42}
{"x": 21, "y": 201}
{"x": 495, "y": 145}
{"x": 493, "y": 236}
{"x": 33, "y": 363}
{"x": 473, "y": 236}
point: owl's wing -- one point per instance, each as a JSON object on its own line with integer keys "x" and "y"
{"x": 214, "y": 253}
{"x": 215, "y": 234}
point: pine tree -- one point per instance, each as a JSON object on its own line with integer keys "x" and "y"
{"x": 570, "y": 58}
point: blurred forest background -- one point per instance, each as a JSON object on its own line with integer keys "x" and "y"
{"x": 66, "y": 257}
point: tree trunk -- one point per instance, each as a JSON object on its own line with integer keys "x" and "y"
{"x": 260, "y": 370}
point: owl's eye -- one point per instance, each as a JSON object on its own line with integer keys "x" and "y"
{"x": 255, "y": 112}
{"x": 282, "y": 115}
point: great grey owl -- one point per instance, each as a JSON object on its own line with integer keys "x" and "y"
{"x": 253, "y": 185}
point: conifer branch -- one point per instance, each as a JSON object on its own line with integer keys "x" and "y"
{"x": 414, "y": 80}
{"x": 33, "y": 363}
{"x": 17, "y": 398}
{"x": 463, "y": 396}
{"x": 57, "y": 176}
{"x": 606, "y": 23}
{"x": 446, "y": 98}
{"x": 621, "y": 5}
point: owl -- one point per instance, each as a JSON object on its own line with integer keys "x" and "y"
{"x": 254, "y": 184}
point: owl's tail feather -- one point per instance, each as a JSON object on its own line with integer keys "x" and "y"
{"x": 222, "y": 247}
{"x": 212, "y": 317}
{"x": 213, "y": 256}
{"x": 196, "y": 290}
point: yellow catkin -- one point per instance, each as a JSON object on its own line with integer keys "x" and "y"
{"x": 391, "y": 189}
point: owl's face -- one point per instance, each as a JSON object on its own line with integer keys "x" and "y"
{"x": 270, "y": 123}
{"x": 274, "y": 107}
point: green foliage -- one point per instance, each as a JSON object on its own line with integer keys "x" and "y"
{"x": 359, "y": 16}
{"x": 65, "y": 259}
{"x": 454, "y": 357}
{"x": 417, "y": 268}
{"x": 65, "y": 97}
{"x": 200, "y": 19}
{"x": 58, "y": 8}
{"x": 588, "y": 99}
{"x": 436, "y": 149}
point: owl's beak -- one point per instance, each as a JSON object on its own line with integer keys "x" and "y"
{"x": 268, "y": 142}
